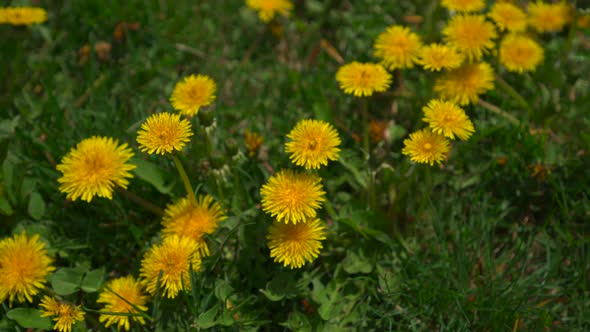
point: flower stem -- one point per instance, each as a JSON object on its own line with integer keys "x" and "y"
{"x": 497, "y": 110}
{"x": 142, "y": 202}
{"x": 514, "y": 94}
{"x": 185, "y": 180}
{"x": 367, "y": 126}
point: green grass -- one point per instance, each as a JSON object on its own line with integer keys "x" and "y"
{"x": 477, "y": 245}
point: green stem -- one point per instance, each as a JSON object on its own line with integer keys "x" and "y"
{"x": 330, "y": 210}
{"x": 514, "y": 94}
{"x": 497, "y": 110}
{"x": 142, "y": 202}
{"x": 185, "y": 180}
{"x": 367, "y": 127}
{"x": 570, "y": 38}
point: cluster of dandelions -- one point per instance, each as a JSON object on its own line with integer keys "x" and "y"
{"x": 293, "y": 197}
{"x": 22, "y": 15}
{"x": 95, "y": 167}
{"x": 467, "y": 38}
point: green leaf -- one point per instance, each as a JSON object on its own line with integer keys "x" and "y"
{"x": 65, "y": 281}
{"x": 29, "y": 318}
{"x": 93, "y": 280}
{"x": 207, "y": 319}
{"x": 150, "y": 173}
{"x": 297, "y": 321}
{"x": 354, "y": 263}
{"x": 281, "y": 286}
{"x": 5, "y": 207}
{"x": 223, "y": 289}
{"x": 36, "y": 206}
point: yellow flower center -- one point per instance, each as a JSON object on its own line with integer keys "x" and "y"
{"x": 427, "y": 146}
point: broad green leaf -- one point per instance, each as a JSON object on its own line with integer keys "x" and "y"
{"x": 36, "y": 206}
{"x": 354, "y": 263}
{"x": 223, "y": 289}
{"x": 281, "y": 286}
{"x": 93, "y": 280}
{"x": 207, "y": 319}
{"x": 5, "y": 207}
{"x": 297, "y": 321}
{"x": 29, "y": 318}
{"x": 150, "y": 173}
{"x": 65, "y": 281}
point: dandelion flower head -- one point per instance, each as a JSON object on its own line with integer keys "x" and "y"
{"x": 448, "y": 119}
{"x": 435, "y": 57}
{"x": 253, "y": 142}
{"x": 193, "y": 220}
{"x": 397, "y": 47}
{"x": 65, "y": 315}
{"x": 464, "y": 84}
{"x": 129, "y": 289}
{"x": 269, "y": 9}
{"x": 192, "y": 93}
{"x": 424, "y": 146}
{"x": 163, "y": 133}
{"x": 294, "y": 245}
{"x": 548, "y": 17}
{"x": 508, "y": 16}
{"x": 519, "y": 53}
{"x": 174, "y": 257}
{"x": 363, "y": 79}
{"x": 94, "y": 167}
{"x": 22, "y": 15}
{"x": 472, "y": 35}
{"x": 292, "y": 197}
{"x": 313, "y": 143}
{"x": 24, "y": 266}
{"x": 463, "y": 5}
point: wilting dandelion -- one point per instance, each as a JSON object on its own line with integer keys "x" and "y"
{"x": 424, "y": 146}
{"x": 164, "y": 133}
{"x": 292, "y": 197}
{"x": 363, "y": 79}
{"x": 24, "y": 266}
{"x": 94, "y": 167}
{"x": 397, "y": 47}
{"x": 448, "y": 119}
{"x": 112, "y": 296}
{"x": 464, "y": 84}
{"x": 519, "y": 53}
{"x": 253, "y": 142}
{"x": 173, "y": 258}
{"x": 294, "y": 245}
{"x": 313, "y": 143}
{"x": 193, "y": 220}
{"x": 192, "y": 93}
{"x": 472, "y": 35}
{"x": 435, "y": 57}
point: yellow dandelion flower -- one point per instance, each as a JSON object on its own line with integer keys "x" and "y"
{"x": 129, "y": 289}
{"x": 183, "y": 218}
{"x": 292, "y": 197}
{"x": 519, "y": 53}
{"x": 548, "y": 17}
{"x": 464, "y": 84}
{"x": 24, "y": 266}
{"x": 269, "y": 9}
{"x": 508, "y": 17}
{"x": 94, "y": 167}
{"x": 253, "y": 142}
{"x": 163, "y": 133}
{"x": 22, "y": 15}
{"x": 463, "y": 5}
{"x": 193, "y": 93}
{"x": 294, "y": 245}
{"x": 472, "y": 35}
{"x": 312, "y": 143}
{"x": 397, "y": 47}
{"x": 435, "y": 57}
{"x": 424, "y": 146}
{"x": 363, "y": 79}
{"x": 583, "y": 21}
{"x": 173, "y": 257}
{"x": 65, "y": 315}
{"x": 448, "y": 119}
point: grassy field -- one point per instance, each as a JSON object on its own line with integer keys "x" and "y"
{"x": 496, "y": 238}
